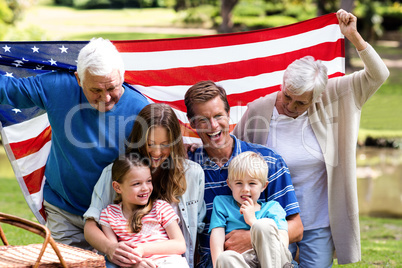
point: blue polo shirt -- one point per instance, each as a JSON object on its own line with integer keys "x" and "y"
{"x": 280, "y": 187}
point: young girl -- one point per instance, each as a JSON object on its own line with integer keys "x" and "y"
{"x": 139, "y": 217}
{"x": 156, "y": 134}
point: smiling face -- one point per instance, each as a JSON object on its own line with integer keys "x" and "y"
{"x": 102, "y": 92}
{"x": 246, "y": 187}
{"x": 212, "y": 124}
{"x": 158, "y": 145}
{"x": 135, "y": 188}
{"x": 292, "y": 105}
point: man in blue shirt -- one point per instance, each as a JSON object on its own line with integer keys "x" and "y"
{"x": 208, "y": 112}
{"x": 91, "y": 114}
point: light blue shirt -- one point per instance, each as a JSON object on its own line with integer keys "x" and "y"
{"x": 191, "y": 205}
{"x": 226, "y": 214}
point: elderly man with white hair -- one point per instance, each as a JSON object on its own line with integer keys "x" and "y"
{"x": 91, "y": 114}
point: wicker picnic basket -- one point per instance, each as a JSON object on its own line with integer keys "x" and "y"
{"x": 48, "y": 254}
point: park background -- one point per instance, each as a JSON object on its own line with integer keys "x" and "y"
{"x": 379, "y": 153}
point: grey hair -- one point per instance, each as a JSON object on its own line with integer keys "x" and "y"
{"x": 306, "y": 75}
{"x": 100, "y": 57}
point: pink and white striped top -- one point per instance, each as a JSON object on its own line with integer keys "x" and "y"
{"x": 153, "y": 224}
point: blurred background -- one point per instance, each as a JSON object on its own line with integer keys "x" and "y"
{"x": 379, "y": 153}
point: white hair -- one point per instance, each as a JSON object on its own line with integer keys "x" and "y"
{"x": 305, "y": 75}
{"x": 99, "y": 57}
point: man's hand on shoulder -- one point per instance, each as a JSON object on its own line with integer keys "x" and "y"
{"x": 191, "y": 148}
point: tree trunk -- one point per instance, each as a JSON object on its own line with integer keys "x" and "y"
{"x": 347, "y": 5}
{"x": 226, "y": 13}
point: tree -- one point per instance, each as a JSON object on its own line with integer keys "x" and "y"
{"x": 347, "y": 5}
{"x": 226, "y": 13}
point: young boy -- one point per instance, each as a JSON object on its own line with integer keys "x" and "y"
{"x": 247, "y": 178}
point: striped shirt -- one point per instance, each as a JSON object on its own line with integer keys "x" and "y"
{"x": 280, "y": 187}
{"x": 153, "y": 224}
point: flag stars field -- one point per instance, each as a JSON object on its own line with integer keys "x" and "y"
{"x": 63, "y": 49}
{"x": 7, "y": 48}
{"x": 52, "y": 61}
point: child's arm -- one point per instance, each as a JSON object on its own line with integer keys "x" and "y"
{"x": 175, "y": 245}
{"x": 216, "y": 243}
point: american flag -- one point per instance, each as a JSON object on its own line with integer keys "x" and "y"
{"x": 248, "y": 65}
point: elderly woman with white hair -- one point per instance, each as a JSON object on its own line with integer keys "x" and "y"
{"x": 313, "y": 124}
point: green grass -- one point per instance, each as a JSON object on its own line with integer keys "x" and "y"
{"x": 381, "y": 115}
{"x": 13, "y": 202}
{"x": 381, "y": 241}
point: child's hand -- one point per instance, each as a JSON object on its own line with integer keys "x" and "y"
{"x": 248, "y": 211}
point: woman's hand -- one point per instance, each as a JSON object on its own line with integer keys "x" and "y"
{"x": 123, "y": 254}
{"x": 347, "y": 22}
{"x": 348, "y": 25}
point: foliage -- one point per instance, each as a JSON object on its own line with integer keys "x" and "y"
{"x": 6, "y": 17}
{"x": 6, "y": 13}
{"x": 301, "y": 11}
{"x": 253, "y": 23}
{"x": 261, "y": 14}
{"x": 91, "y": 4}
{"x": 204, "y": 16}
{"x": 249, "y": 8}
{"x": 10, "y": 12}
{"x": 392, "y": 16}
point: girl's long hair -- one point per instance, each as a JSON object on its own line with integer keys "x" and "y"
{"x": 121, "y": 166}
{"x": 168, "y": 180}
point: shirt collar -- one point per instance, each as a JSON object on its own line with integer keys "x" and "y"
{"x": 203, "y": 158}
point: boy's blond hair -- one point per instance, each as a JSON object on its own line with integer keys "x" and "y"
{"x": 248, "y": 163}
